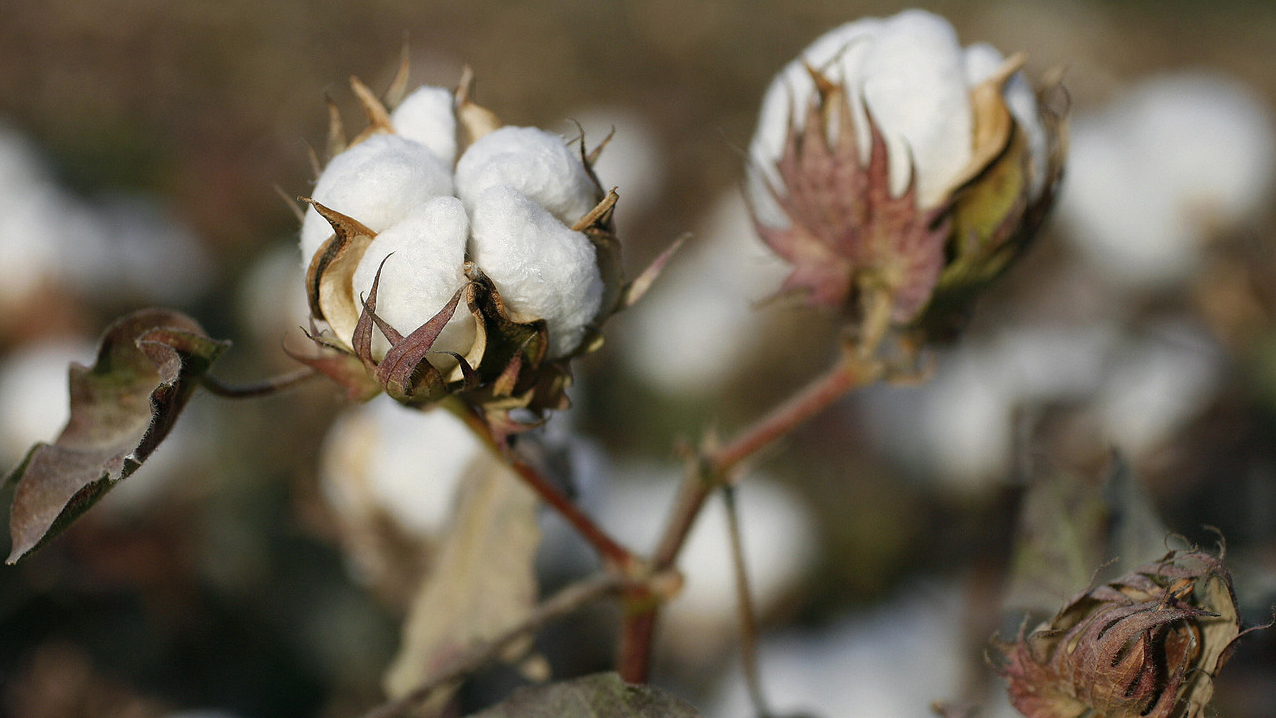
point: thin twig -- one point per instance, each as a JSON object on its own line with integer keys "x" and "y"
{"x": 745, "y": 607}
{"x": 606, "y": 546}
{"x": 261, "y": 388}
{"x": 857, "y": 367}
{"x": 565, "y": 601}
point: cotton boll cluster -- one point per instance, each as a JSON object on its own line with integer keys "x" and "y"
{"x": 701, "y": 318}
{"x": 389, "y": 474}
{"x": 894, "y": 661}
{"x": 779, "y": 548}
{"x": 961, "y": 426}
{"x": 507, "y": 203}
{"x": 1165, "y": 166}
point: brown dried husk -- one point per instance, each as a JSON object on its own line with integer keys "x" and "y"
{"x": 1146, "y": 645}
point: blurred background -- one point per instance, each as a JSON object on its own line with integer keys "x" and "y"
{"x": 143, "y": 145}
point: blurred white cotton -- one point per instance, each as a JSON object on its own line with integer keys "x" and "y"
{"x": 630, "y": 162}
{"x": 779, "y": 547}
{"x": 700, "y": 318}
{"x": 892, "y": 662}
{"x": 33, "y": 394}
{"x": 1152, "y": 176}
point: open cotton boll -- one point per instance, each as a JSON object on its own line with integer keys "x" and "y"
{"x": 376, "y": 182}
{"x": 537, "y": 163}
{"x": 1152, "y": 176}
{"x": 542, "y": 269}
{"x": 914, "y": 84}
{"x": 428, "y": 116}
{"x": 382, "y": 457}
{"x": 424, "y": 256}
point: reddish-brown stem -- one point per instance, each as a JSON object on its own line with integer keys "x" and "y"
{"x": 717, "y": 467}
{"x": 608, "y": 548}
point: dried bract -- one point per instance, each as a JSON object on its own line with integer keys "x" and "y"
{"x": 1146, "y": 645}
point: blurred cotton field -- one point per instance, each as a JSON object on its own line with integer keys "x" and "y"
{"x": 263, "y": 563}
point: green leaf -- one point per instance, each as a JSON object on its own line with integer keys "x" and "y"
{"x": 599, "y": 696}
{"x": 148, "y": 364}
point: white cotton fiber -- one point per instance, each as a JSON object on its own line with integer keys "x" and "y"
{"x": 425, "y": 267}
{"x": 428, "y": 116}
{"x": 375, "y": 182}
{"x": 542, "y": 268}
{"x": 537, "y": 163}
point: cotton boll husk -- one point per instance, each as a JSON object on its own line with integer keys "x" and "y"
{"x": 539, "y": 164}
{"x": 376, "y": 182}
{"x": 1152, "y": 176}
{"x": 542, "y": 269}
{"x": 779, "y": 545}
{"x": 424, "y": 258}
{"x": 428, "y": 116}
{"x": 631, "y": 161}
{"x": 894, "y": 661}
{"x": 982, "y": 60}
{"x": 701, "y": 317}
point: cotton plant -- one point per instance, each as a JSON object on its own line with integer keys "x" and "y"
{"x": 456, "y": 266}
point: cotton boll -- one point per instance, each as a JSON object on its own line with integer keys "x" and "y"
{"x": 31, "y": 201}
{"x": 542, "y": 269}
{"x": 915, "y": 87}
{"x": 1157, "y": 384}
{"x": 387, "y": 459}
{"x": 377, "y": 182}
{"x": 428, "y": 116}
{"x": 537, "y": 163}
{"x": 424, "y": 255}
{"x": 34, "y": 396}
{"x": 894, "y": 661}
{"x": 1151, "y": 177}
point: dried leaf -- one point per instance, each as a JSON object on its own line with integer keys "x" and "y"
{"x": 148, "y": 365}
{"x": 603, "y": 695}
{"x": 1072, "y": 526}
{"x": 482, "y": 584}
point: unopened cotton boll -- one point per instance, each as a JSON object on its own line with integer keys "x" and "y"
{"x": 424, "y": 257}
{"x": 428, "y": 116}
{"x": 537, "y": 163}
{"x": 542, "y": 268}
{"x": 376, "y": 182}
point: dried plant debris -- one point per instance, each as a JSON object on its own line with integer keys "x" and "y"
{"x": 603, "y": 695}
